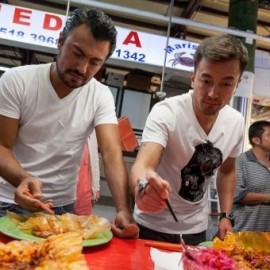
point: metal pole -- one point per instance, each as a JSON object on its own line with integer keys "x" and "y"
{"x": 243, "y": 15}
{"x": 68, "y": 7}
{"x": 176, "y": 20}
{"x": 160, "y": 93}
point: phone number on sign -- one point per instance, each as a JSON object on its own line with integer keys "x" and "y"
{"x": 34, "y": 37}
{"x": 125, "y": 54}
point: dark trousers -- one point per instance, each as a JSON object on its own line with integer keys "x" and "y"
{"x": 190, "y": 239}
{"x": 18, "y": 210}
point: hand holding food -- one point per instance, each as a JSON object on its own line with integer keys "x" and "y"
{"x": 46, "y": 206}
{"x": 224, "y": 227}
{"x": 28, "y": 195}
{"x": 124, "y": 226}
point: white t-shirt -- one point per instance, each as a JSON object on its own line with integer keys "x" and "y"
{"x": 52, "y": 131}
{"x": 173, "y": 124}
{"x": 94, "y": 161}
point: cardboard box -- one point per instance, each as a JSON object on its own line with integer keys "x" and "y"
{"x": 139, "y": 80}
{"x": 115, "y": 79}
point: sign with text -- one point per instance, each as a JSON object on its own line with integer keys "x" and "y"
{"x": 36, "y": 27}
{"x": 150, "y": 49}
{"x": 26, "y": 25}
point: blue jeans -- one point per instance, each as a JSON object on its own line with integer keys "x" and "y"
{"x": 69, "y": 208}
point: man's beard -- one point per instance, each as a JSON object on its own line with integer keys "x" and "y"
{"x": 69, "y": 83}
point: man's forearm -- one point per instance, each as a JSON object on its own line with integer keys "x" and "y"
{"x": 10, "y": 169}
{"x": 226, "y": 188}
{"x": 256, "y": 198}
{"x": 117, "y": 179}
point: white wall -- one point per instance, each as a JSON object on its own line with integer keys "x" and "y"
{"x": 262, "y": 74}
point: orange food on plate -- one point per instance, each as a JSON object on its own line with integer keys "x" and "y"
{"x": 63, "y": 251}
{"x": 44, "y": 225}
{"x": 250, "y": 250}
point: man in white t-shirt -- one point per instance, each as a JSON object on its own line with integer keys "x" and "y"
{"x": 187, "y": 141}
{"x": 47, "y": 112}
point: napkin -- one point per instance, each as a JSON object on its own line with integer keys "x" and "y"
{"x": 164, "y": 260}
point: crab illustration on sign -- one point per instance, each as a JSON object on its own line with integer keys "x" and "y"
{"x": 183, "y": 58}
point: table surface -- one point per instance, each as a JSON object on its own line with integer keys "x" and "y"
{"x": 120, "y": 254}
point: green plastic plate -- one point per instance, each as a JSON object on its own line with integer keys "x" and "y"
{"x": 9, "y": 228}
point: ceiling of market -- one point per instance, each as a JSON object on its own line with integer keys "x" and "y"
{"x": 143, "y": 15}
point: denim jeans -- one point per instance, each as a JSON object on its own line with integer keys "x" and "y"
{"x": 190, "y": 239}
{"x": 69, "y": 208}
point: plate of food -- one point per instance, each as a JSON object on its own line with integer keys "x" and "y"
{"x": 62, "y": 251}
{"x": 94, "y": 229}
{"x": 250, "y": 250}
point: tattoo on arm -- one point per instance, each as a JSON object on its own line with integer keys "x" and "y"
{"x": 143, "y": 145}
{"x": 160, "y": 154}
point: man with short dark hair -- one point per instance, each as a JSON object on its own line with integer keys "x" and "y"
{"x": 48, "y": 111}
{"x": 252, "y": 197}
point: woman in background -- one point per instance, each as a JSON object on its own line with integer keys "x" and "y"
{"x": 88, "y": 189}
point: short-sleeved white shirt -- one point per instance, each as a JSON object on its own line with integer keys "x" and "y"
{"x": 52, "y": 131}
{"x": 173, "y": 124}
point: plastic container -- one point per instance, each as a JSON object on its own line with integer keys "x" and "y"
{"x": 128, "y": 138}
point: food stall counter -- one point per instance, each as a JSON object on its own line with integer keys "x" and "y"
{"x": 120, "y": 254}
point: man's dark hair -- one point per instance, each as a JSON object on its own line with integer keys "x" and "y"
{"x": 222, "y": 48}
{"x": 257, "y": 129}
{"x": 100, "y": 25}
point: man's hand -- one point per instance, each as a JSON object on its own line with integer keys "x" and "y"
{"x": 152, "y": 198}
{"x": 224, "y": 226}
{"x": 28, "y": 195}
{"x": 124, "y": 226}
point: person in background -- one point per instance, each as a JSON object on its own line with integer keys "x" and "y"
{"x": 88, "y": 187}
{"x": 95, "y": 168}
{"x": 48, "y": 111}
{"x": 252, "y": 196}
{"x": 188, "y": 140}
